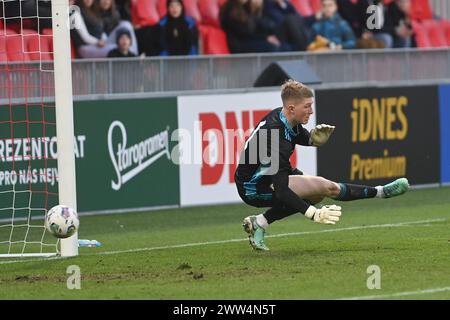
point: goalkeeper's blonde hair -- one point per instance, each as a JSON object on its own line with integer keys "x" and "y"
{"x": 294, "y": 91}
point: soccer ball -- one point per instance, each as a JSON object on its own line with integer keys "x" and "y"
{"x": 62, "y": 221}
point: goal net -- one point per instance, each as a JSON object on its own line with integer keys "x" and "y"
{"x": 36, "y": 125}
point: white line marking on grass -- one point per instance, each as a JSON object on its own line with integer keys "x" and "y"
{"x": 398, "y": 294}
{"x": 29, "y": 260}
{"x": 196, "y": 244}
{"x": 388, "y": 225}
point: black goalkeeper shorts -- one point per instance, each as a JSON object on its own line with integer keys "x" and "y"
{"x": 263, "y": 199}
{"x": 258, "y": 201}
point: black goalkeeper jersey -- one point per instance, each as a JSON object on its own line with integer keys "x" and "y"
{"x": 264, "y": 167}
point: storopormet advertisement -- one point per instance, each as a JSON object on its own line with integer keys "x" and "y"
{"x": 127, "y": 161}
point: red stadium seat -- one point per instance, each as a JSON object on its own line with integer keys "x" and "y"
{"x": 315, "y": 5}
{"x": 49, "y": 38}
{"x": 303, "y": 7}
{"x": 209, "y": 10}
{"x": 192, "y": 9}
{"x": 421, "y": 10}
{"x": 18, "y": 26}
{"x": 144, "y": 12}
{"x": 162, "y": 8}
{"x": 48, "y": 33}
{"x": 214, "y": 40}
{"x": 15, "y": 47}
{"x": 447, "y": 31}
{"x": 13, "y": 26}
{"x": 37, "y": 46}
{"x": 3, "y": 54}
{"x": 436, "y": 33}
{"x": 421, "y": 35}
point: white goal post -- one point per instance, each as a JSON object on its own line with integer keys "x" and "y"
{"x": 64, "y": 115}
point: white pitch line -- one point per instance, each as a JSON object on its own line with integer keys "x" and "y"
{"x": 398, "y": 294}
{"x": 29, "y": 260}
{"x": 196, "y": 244}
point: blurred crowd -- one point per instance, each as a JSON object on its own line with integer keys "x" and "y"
{"x": 275, "y": 25}
{"x": 105, "y": 28}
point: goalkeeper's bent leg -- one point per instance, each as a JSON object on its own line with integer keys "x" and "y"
{"x": 349, "y": 192}
{"x": 314, "y": 188}
{"x": 310, "y": 188}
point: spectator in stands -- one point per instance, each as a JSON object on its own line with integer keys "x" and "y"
{"x": 351, "y": 11}
{"x": 278, "y": 10}
{"x": 178, "y": 32}
{"x": 124, "y": 8}
{"x": 146, "y": 28}
{"x": 290, "y": 25}
{"x": 331, "y": 32}
{"x": 360, "y": 19}
{"x": 106, "y": 10}
{"x": 247, "y": 29}
{"x": 398, "y": 23}
{"x": 90, "y": 37}
{"x": 110, "y": 16}
{"x": 123, "y": 45}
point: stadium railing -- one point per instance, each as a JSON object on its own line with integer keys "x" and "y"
{"x": 158, "y": 75}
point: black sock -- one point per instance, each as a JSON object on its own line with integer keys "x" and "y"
{"x": 278, "y": 213}
{"x": 351, "y": 192}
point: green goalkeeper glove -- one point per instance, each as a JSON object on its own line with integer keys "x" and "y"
{"x": 320, "y": 134}
{"x": 325, "y": 215}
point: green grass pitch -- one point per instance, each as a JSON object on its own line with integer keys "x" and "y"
{"x": 202, "y": 253}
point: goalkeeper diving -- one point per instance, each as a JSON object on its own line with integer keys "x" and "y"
{"x": 265, "y": 178}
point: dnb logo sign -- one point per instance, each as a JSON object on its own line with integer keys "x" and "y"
{"x": 218, "y": 127}
{"x": 222, "y": 142}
